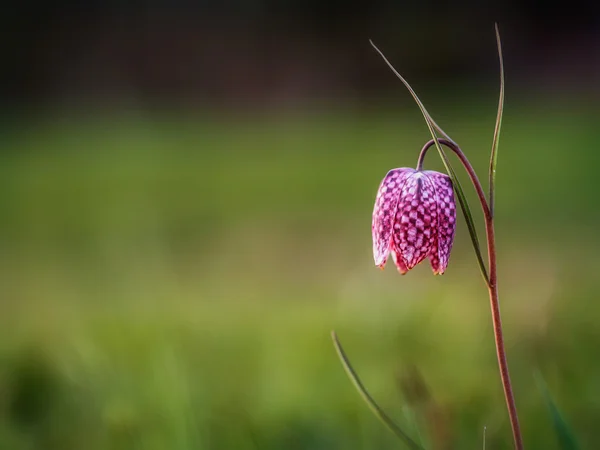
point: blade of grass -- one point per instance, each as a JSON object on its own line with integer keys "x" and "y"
{"x": 379, "y": 413}
{"x": 462, "y": 199}
{"x": 484, "y": 430}
{"x": 464, "y": 205}
{"x": 439, "y": 130}
{"x": 564, "y": 434}
{"x": 494, "y": 155}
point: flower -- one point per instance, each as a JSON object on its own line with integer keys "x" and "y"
{"x": 414, "y": 218}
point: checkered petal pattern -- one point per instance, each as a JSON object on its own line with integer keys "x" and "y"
{"x": 414, "y": 218}
{"x": 384, "y": 212}
{"x": 446, "y": 220}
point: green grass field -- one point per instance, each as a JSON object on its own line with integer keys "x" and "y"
{"x": 170, "y": 282}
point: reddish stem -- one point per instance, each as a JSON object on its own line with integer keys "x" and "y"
{"x": 492, "y": 285}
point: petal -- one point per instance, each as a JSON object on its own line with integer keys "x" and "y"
{"x": 398, "y": 261}
{"x": 446, "y": 206}
{"x": 385, "y": 211}
{"x": 435, "y": 260}
{"x": 416, "y": 220}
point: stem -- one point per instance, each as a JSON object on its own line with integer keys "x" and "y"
{"x": 492, "y": 286}
{"x": 467, "y": 165}
{"x": 499, "y": 337}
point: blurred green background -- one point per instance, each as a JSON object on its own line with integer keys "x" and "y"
{"x": 169, "y": 276}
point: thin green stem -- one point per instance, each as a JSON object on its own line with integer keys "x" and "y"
{"x": 381, "y": 415}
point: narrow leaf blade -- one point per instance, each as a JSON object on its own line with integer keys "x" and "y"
{"x": 379, "y": 413}
{"x": 464, "y": 206}
{"x": 564, "y": 434}
{"x": 494, "y": 155}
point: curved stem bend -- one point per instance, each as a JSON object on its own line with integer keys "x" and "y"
{"x": 467, "y": 165}
{"x": 492, "y": 284}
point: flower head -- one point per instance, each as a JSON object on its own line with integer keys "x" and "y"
{"x": 414, "y": 218}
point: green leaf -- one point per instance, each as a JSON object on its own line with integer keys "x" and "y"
{"x": 462, "y": 199}
{"x": 564, "y": 434}
{"x": 381, "y": 415}
{"x": 494, "y": 155}
{"x": 442, "y": 132}
{"x": 464, "y": 205}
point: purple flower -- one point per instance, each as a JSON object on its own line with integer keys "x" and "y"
{"x": 414, "y": 218}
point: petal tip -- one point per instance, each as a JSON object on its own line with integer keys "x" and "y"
{"x": 380, "y": 259}
{"x": 400, "y": 264}
{"x": 402, "y": 270}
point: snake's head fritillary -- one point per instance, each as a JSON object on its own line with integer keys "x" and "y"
{"x": 414, "y": 218}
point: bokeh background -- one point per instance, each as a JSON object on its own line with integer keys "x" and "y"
{"x": 186, "y": 192}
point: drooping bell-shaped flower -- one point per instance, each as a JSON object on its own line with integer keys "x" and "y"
{"x": 414, "y": 218}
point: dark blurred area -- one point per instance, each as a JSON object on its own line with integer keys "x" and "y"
{"x": 237, "y": 53}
